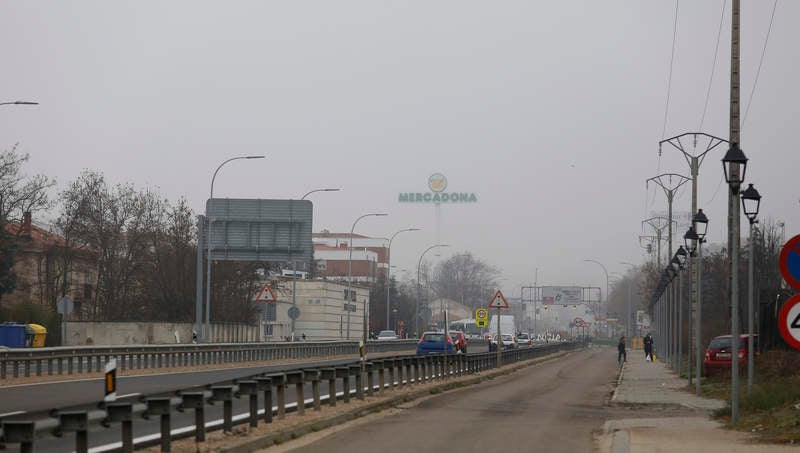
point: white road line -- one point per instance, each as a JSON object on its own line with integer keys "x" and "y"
{"x": 128, "y": 395}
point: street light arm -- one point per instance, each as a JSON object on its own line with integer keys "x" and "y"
{"x": 419, "y": 288}
{"x": 318, "y": 190}
{"x": 222, "y": 164}
{"x": 19, "y": 103}
{"x": 389, "y": 268}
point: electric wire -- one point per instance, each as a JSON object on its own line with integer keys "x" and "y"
{"x": 760, "y": 62}
{"x": 669, "y": 92}
{"x": 713, "y": 66}
{"x": 671, "y": 63}
{"x": 755, "y": 83}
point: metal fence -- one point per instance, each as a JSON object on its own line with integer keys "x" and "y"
{"x": 81, "y": 360}
{"x": 390, "y": 372}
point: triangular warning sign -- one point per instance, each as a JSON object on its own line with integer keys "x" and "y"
{"x": 265, "y": 295}
{"x": 498, "y": 301}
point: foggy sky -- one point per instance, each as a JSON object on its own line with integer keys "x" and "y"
{"x": 550, "y": 112}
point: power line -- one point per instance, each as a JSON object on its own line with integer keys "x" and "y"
{"x": 671, "y": 61}
{"x": 755, "y": 82}
{"x": 713, "y": 65}
{"x": 760, "y": 61}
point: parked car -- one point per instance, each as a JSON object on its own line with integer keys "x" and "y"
{"x": 387, "y": 335}
{"x": 509, "y": 342}
{"x": 524, "y": 339}
{"x": 435, "y": 343}
{"x": 720, "y": 351}
{"x": 459, "y": 341}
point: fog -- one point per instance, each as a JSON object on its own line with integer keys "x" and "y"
{"x": 550, "y": 113}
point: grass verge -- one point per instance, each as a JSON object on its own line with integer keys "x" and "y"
{"x": 772, "y": 411}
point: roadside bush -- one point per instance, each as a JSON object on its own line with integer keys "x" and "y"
{"x": 778, "y": 363}
{"x": 772, "y": 393}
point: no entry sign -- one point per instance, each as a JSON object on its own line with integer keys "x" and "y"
{"x": 789, "y": 321}
{"x": 789, "y": 262}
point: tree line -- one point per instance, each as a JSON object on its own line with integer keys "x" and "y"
{"x": 769, "y": 290}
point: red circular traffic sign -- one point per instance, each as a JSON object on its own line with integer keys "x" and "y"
{"x": 789, "y": 321}
{"x": 789, "y": 262}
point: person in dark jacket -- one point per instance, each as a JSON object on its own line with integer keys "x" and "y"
{"x": 622, "y": 355}
{"x": 648, "y": 347}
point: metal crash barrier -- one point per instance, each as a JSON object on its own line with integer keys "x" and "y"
{"x": 401, "y": 370}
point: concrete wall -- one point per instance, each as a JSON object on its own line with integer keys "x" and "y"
{"x": 124, "y": 333}
{"x": 322, "y": 315}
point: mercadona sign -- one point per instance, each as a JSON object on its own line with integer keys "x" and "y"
{"x": 437, "y": 183}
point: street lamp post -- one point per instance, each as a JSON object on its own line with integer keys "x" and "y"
{"x": 751, "y": 201}
{"x": 697, "y": 235}
{"x": 291, "y": 258}
{"x": 350, "y": 297}
{"x": 419, "y": 288}
{"x": 389, "y": 270}
{"x": 606, "y": 272}
{"x": 207, "y": 333}
{"x": 734, "y": 166}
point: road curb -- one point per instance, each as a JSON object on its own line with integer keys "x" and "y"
{"x": 302, "y": 429}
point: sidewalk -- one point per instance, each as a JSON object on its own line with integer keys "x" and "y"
{"x": 645, "y": 385}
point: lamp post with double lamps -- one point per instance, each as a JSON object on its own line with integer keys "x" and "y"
{"x": 207, "y": 332}
{"x": 291, "y": 258}
{"x": 734, "y": 166}
{"x": 389, "y": 270}
{"x": 350, "y": 297}
{"x": 419, "y": 288}
{"x": 751, "y": 202}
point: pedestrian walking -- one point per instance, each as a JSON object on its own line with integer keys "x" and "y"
{"x": 648, "y": 347}
{"x": 622, "y": 355}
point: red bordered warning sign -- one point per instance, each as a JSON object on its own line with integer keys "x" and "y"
{"x": 265, "y": 295}
{"x": 498, "y": 301}
{"x": 789, "y": 321}
{"x": 789, "y": 262}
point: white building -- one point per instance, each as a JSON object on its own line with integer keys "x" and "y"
{"x": 321, "y": 304}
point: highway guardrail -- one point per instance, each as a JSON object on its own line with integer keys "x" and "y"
{"x": 390, "y": 372}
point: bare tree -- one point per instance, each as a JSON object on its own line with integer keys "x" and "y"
{"x": 465, "y": 279}
{"x": 18, "y": 194}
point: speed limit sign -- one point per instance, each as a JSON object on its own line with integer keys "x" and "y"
{"x": 481, "y": 317}
{"x": 789, "y": 321}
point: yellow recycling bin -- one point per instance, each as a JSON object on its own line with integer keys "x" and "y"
{"x": 39, "y": 335}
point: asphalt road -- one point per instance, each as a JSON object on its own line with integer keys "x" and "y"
{"x": 553, "y": 406}
{"x": 33, "y": 399}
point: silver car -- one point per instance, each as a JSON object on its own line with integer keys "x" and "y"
{"x": 387, "y": 335}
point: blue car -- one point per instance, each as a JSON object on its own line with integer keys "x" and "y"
{"x": 435, "y": 343}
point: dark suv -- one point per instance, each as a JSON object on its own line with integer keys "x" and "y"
{"x": 720, "y": 351}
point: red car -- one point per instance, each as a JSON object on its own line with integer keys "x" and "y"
{"x": 720, "y": 351}
{"x": 459, "y": 341}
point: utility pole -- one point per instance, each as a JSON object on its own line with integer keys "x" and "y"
{"x": 669, "y": 187}
{"x": 694, "y": 159}
{"x": 733, "y": 209}
{"x": 658, "y": 224}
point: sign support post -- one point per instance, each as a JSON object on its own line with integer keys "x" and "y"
{"x": 499, "y": 302}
